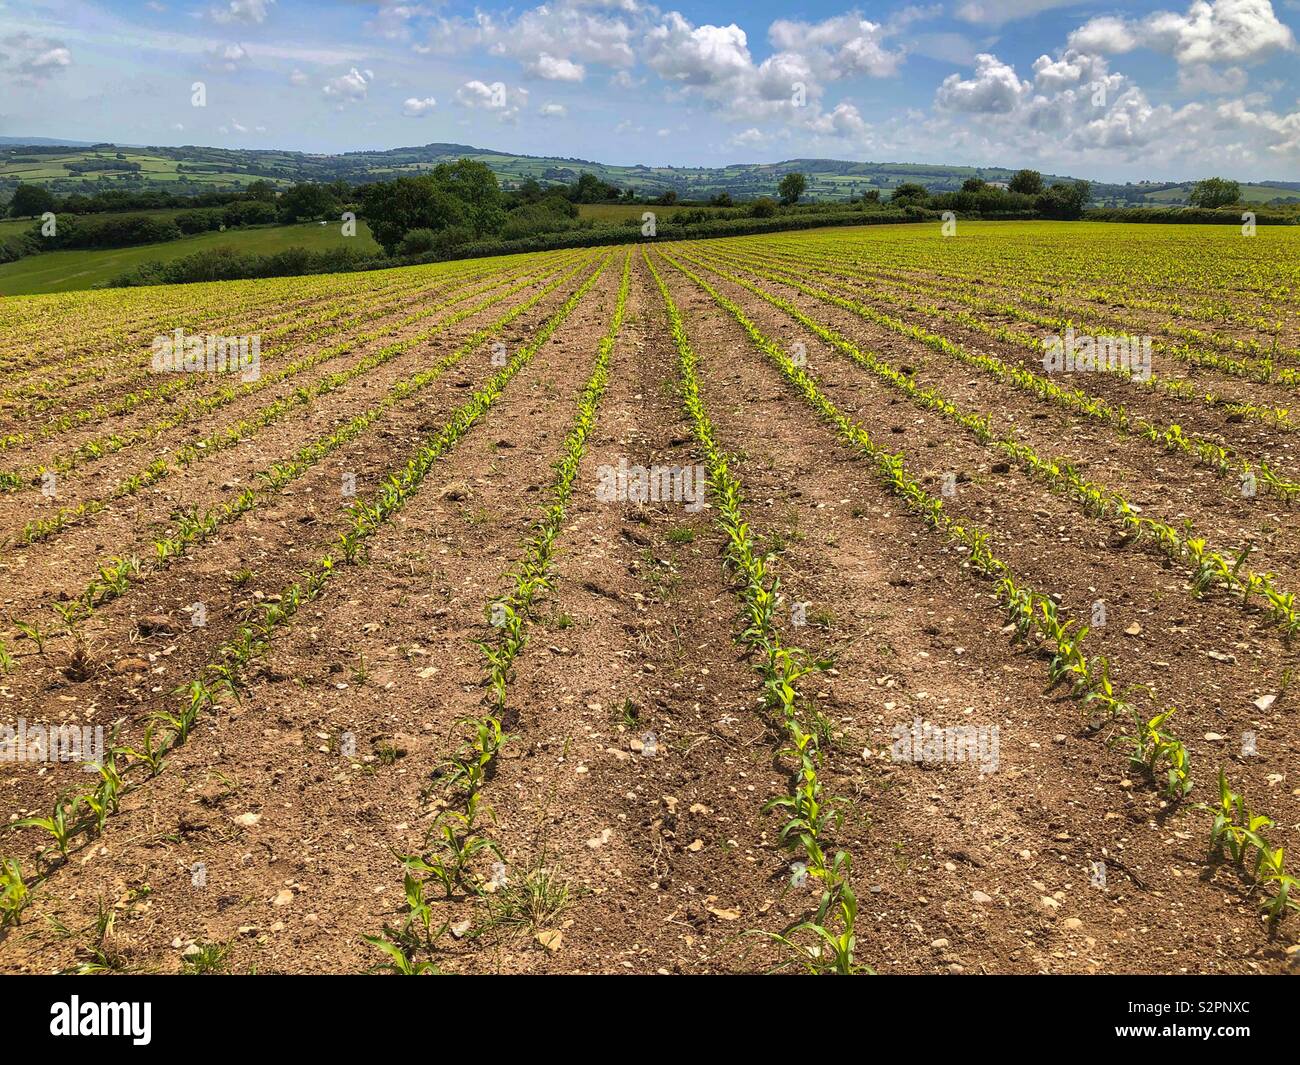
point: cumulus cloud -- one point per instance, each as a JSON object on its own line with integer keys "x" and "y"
{"x": 414, "y": 107}
{"x": 504, "y": 102}
{"x": 845, "y": 46}
{"x": 995, "y": 88}
{"x": 227, "y": 57}
{"x": 842, "y": 121}
{"x": 350, "y": 87}
{"x": 553, "y": 68}
{"x": 1210, "y": 31}
{"x": 30, "y": 59}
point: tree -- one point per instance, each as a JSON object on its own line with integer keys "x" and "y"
{"x": 763, "y": 207}
{"x": 792, "y": 186}
{"x": 463, "y": 195}
{"x": 974, "y": 184}
{"x": 261, "y": 190}
{"x": 1214, "y": 192}
{"x": 1030, "y": 182}
{"x": 910, "y": 192}
{"x": 30, "y": 200}
{"x": 308, "y": 203}
{"x": 475, "y": 187}
{"x": 394, "y": 208}
{"x": 722, "y": 199}
{"x": 1065, "y": 201}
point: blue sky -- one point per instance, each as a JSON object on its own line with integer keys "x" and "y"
{"x": 1101, "y": 90}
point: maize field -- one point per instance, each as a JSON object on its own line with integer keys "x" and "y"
{"x": 875, "y": 599}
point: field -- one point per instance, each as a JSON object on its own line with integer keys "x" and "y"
{"x": 696, "y": 607}
{"x": 66, "y": 271}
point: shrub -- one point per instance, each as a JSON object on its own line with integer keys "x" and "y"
{"x": 418, "y": 242}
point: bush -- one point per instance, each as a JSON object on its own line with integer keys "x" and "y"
{"x": 229, "y": 264}
{"x": 111, "y": 231}
{"x": 249, "y": 213}
{"x": 909, "y": 192}
{"x": 763, "y": 207}
{"x": 418, "y": 242}
{"x": 189, "y": 222}
{"x": 14, "y": 248}
{"x": 532, "y": 219}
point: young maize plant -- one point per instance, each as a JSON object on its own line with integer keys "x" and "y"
{"x": 1239, "y": 832}
{"x": 1212, "y": 569}
{"x": 1154, "y": 745}
{"x": 808, "y": 811}
{"x": 14, "y": 893}
{"x": 1206, "y": 452}
{"x": 61, "y": 826}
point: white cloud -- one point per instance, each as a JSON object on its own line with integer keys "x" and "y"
{"x": 553, "y": 111}
{"x": 506, "y": 103}
{"x": 252, "y": 11}
{"x": 298, "y": 78}
{"x": 1107, "y": 34}
{"x": 1210, "y": 31}
{"x": 349, "y": 87}
{"x": 1072, "y": 68}
{"x": 227, "y": 57}
{"x": 1203, "y": 78}
{"x": 843, "y": 121}
{"x": 29, "y": 59}
{"x": 698, "y": 55}
{"x": 553, "y": 68}
{"x": 750, "y": 138}
{"x": 995, "y": 88}
{"x": 414, "y": 107}
{"x": 845, "y": 46}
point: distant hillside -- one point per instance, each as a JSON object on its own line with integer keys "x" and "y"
{"x": 67, "y": 167}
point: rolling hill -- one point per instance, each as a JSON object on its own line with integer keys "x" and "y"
{"x": 67, "y": 168}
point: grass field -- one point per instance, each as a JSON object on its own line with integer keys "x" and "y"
{"x": 584, "y": 611}
{"x": 619, "y": 212}
{"x": 64, "y": 271}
